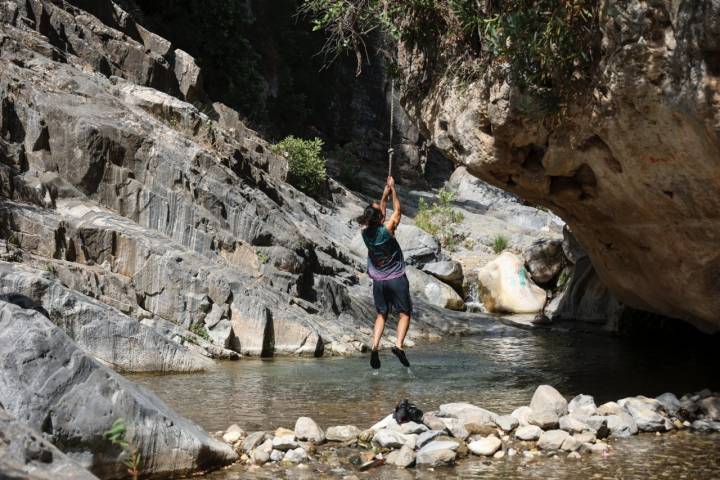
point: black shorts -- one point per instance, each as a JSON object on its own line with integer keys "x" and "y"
{"x": 392, "y": 293}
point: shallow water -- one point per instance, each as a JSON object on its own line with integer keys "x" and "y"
{"x": 498, "y": 373}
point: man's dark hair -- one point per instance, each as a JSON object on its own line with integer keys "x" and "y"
{"x": 371, "y": 216}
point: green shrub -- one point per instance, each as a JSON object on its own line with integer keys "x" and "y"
{"x": 440, "y": 220}
{"x": 200, "y": 330}
{"x": 500, "y": 243}
{"x": 116, "y": 436}
{"x": 306, "y": 164}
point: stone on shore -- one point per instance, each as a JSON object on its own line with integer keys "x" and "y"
{"x": 456, "y": 428}
{"x": 307, "y": 430}
{"x": 433, "y": 290}
{"x": 571, "y": 424}
{"x": 252, "y": 441}
{"x": 546, "y": 398}
{"x": 387, "y": 422}
{"x": 261, "y": 454}
{"x": 284, "y": 442}
{"x": 583, "y": 405}
{"x": 528, "y": 433}
{"x": 449, "y": 271}
{"x": 507, "y": 287}
{"x": 468, "y": 413}
{"x": 585, "y": 437}
{"x": 342, "y": 433}
{"x": 296, "y": 455}
{"x": 610, "y": 408}
{"x": 544, "y": 259}
{"x": 552, "y": 439}
{"x": 433, "y": 422}
{"x": 710, "y": 406}
{"x": 507, "y": 423}
{"x": 277, "y": 455}
{"x": 621, "y": 425}
{"x": 486, "y": 446}
{"x": 570, "y": 444}
{"x": 545, "y": 419}
{"x": 670, "y": 402}
{"x": 390, "y": 439}
{"x": 403, "y": 458}
{"x": 522, "y": 414}
{"x": 437, "y": 453}
{"x": 233, "y": 434}
{"x": 410, "y": 428}
{"x": 644, "y": 412}
{"x": 705, "y": 426}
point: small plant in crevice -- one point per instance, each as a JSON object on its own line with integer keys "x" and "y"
{"x": 116, "y": 436}
{"x": 306, "y": 164}
{"x": 440, "y": 219}
{"x": 263, "y": 257}
{"x": 499, "y": 244}
{"x": 200, "y": 330}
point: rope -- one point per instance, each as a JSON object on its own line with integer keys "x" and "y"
{"x": 391, "y": 152}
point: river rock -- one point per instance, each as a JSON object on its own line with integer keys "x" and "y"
{"x": 307, "y": 429}
{"x": 610, "y": 408}
{"x": 710, "y": 407}
{"x": 433, "y": 290}
{"x": 571, "y": 424}
{"x": 388, "y": 422}
{"x": 296, "y": 455}
{"x": 528, "y": 433}
{"x": 284, "y": 442}
{"x": 546, "y": 398}
{"x": 544, "y": 259}
{"x": 621, "y": 425}
{"x": 277, "y": 455}
{"x": 390, "y": 439}
{"x": 436, "y": 453}
{"x": 644, "y": 412}
{"x": 522, "y": 414}
{"x": 261, "y": 454}
{"x": 456, "y": 428}
{"x": 585, "y": 437}
{"x": 233, "y": 434}
{"x": 433, "y": 422}
{"x": 670, "y": 402}
{"x": 545, "y": 419}
{"x": 33, "y": 350}
{"x": 552, "y": 439}
{"x": 468, "y": 414}
{"x": 25, "y": 454}
{"x": 403, "y": 458}
{"x": 570, "y": 444}
{"x": 486, "y": 446}
{"x": 448, "y": 271}
{"x": 342, "y": 433}
{"x": 705, "y": 426}
{"x": 583, "y": 405}
{"x": 252, "y": 441}
{"x": 426, "y": 437}
{"x": 409, "y": 428}
{"x": 507, "y": 287}
{"x": 507, "y": 423}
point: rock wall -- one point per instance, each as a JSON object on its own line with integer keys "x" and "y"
{"x": 632, "y": 169}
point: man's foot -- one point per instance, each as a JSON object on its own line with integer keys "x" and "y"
{"x": 375, "y": 359}
{"x": 400, "y": 353}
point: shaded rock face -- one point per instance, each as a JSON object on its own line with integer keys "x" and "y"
{"x": 633, "y": 170}
{"x": 46, "y": 379}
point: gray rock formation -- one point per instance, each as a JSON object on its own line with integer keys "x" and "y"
{"x": 628, "y": 167}
{"x": 25, "y": 454}
{"x": 50, "y": 384}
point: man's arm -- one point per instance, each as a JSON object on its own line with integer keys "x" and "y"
{"x": 383, "y": 200}
{"x": 394, "y": 220}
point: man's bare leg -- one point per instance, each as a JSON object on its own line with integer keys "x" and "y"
{"x": 402, "y": 329}
{"x": 379, "y": 328}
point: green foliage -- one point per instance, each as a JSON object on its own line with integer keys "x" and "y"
{"x": 116, "y": 436}
{"x": 500, "y": 243}
{"x": 263, "y": 257}
{"x": 440, "y": 220}
{"x": 200, "y": 330}
{"x": 306, "y": 164}
{"x": 563, "y": 278}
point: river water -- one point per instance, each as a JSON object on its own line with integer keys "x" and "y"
{"x": 499, "y": 373}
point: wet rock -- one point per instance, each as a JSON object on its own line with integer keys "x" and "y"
{"x": 552, "y": 439}
{"x": 644, "y": 412}
{"x": 583, "y": 405}
{"x": 296, "y": 455}
{"x": 428, "y": 436}
{"x": 34, "y": 350}
{"x": 670, "y": 402}
{"x": 522, "y": 414}
{"x": 705, "y": 426}
{"x": 307, "y": 429}
{"x": 433, "y": 422}
{"x": 449, "y": 271}
{"x": 574, "y": 455}
{"x": 342, "y": 433}
{"x": 468, "y": 413}
{"x": 277, "y": 455}
{"x": 507, "y": 287}
{"x": 25, "y": 454}
{"x": 436, "y": 453}
{"x": 233, "y": 434}
{"x": 710, "y": 406}
{"x": 597, "y": 447}
{"x": 571, "y": 424}
{"x": 261, "y": 454}
{"x": 387, "y": 422}
{"x": 390, "y": 439}
{"x": 528, "y": 433}
{"x": 403, "y": 458}
{"x": 252, "y": 441}
{"x": 621, "y": 425}
{"x": 545, "y": 419}
{"x": 546, "y": 398}
{"x": 486, "y": 446}
{"x": 571, "y": 443}
{"x": 544, "y": 260}
{"x": 610, "y": 408}
{"x": 585, "y": 437}
{"x": 507, "y": 423}
{"x": 456, "y": 428}
{"x": 409, "y": 428}
{"x": 284, "y": 442}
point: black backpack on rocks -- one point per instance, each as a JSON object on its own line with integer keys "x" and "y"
{"x": 407, "y": 412}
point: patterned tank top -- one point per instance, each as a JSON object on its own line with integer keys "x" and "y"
{"x": 385, "y": 257}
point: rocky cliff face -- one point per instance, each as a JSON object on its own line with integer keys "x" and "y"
{"x": 633, "y": 170}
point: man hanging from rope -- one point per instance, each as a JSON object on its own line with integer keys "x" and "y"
{"x": 386, "y": 267}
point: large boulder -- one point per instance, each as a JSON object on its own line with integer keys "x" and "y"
{"x": 25, "y": 454}
{"x": 432, "y": 290}
{"x": 544, "y": 260}
{"x": 507, "y": 287}
{"x": 418, "y": 246}
{"x": 548, "y": 399}
{"x": 49, "y": 383}
{"x": 448, "y": 271}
